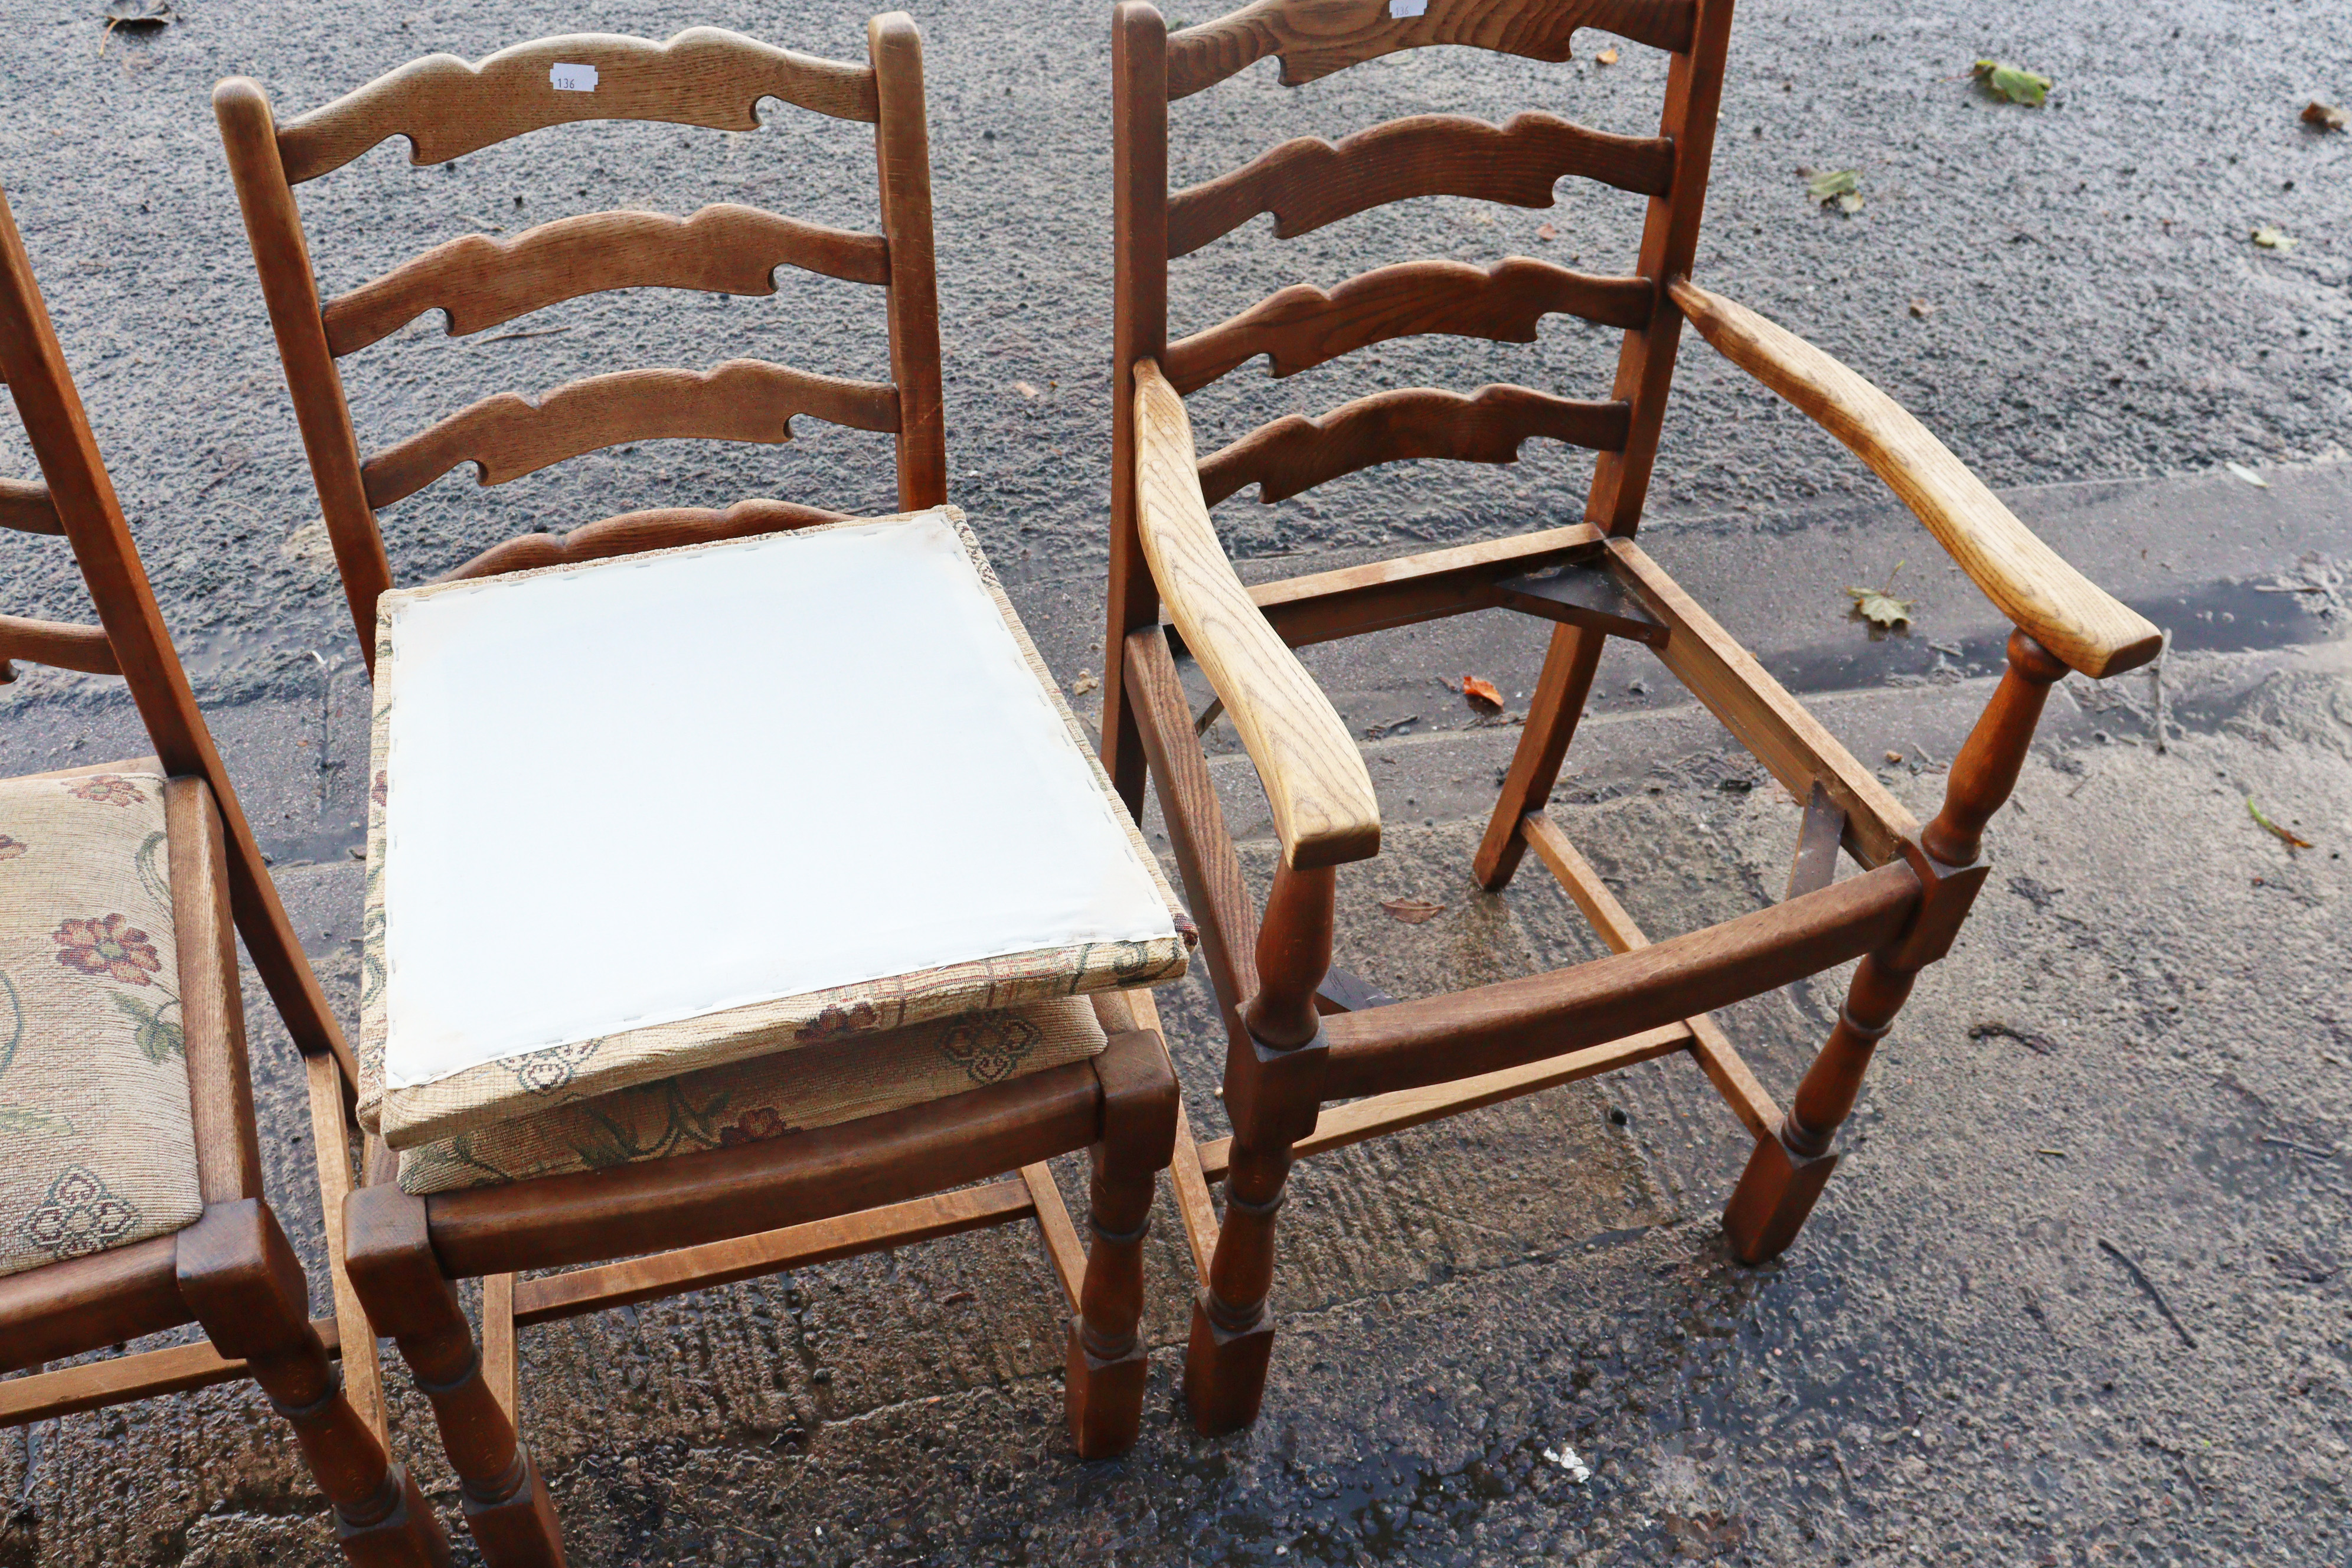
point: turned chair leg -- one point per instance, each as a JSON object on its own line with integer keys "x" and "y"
{"x": 391, "y": 1265}
{"x": 1560, "y": 694}
{"x": 1786, "y": 1174}
{"x": 1106, "y": 1359}
{"x": 1273, "y": 1078}
{"x": 1233, "y": 1328}
{"x": 240, "y": 1277}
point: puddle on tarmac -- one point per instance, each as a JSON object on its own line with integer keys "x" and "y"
{"x": 2224, "y": 617}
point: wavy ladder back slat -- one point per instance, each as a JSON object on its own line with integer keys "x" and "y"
{"x": 25, "y": 506}
{"x": 1308, "y": 183}
{"x": 480, "y": 282}
{"x": 508, "y": 436}
{"x": 447, "y": 108}
{"x": 1295, "y": 453}
{"x": 1316, "y": 37}
{"x": 1302, "y": 326}
{"x": 665, "y": 528}
{"x": 134, "y": 642}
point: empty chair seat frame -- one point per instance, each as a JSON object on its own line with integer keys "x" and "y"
{"x": 1294, "y": 1043}
{"x": 124, "y": 1268}
{"x": 748, "y": 1208}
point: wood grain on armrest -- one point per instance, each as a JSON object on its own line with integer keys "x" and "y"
{"x": 1321, "y": 797}
{"x": 2051, "y": 602}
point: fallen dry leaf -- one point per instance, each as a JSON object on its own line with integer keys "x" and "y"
{"x": 1879, "y": 605}
{"x": 1606, "y": 57}
{"x": 2327, "y": 116}
{"x": 1546, "y": 232}
{"x": 1027, "y": 391}
{"x": 2248, "y": 475}
{"x": 2014, "y": 83}
{"x": 1084, "y": 683}
{"x": 1894, "y": 756}
{"x": 1481, "y": 694}
{"x": 2272, "y": 238}
{"x": 2292, "y": 840}
{"x": 1412, "y": 911}
{"x": 137, "y": 13}
{"x": 1921, "y": 309}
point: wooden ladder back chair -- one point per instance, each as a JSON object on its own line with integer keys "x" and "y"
{"x": 687, "y": 1214}
{"x": 123, "y": 1269}
{"x": 449, "y": 108}
{"x": 1294, "y": 1043}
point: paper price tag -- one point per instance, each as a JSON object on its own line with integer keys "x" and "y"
{"x": 1401, "y": 9}
{"x": 572, "y": 79}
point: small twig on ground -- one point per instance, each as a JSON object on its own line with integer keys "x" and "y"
{"x": 2088, "y": 780}
{"x": 2301, "y": 1148}
{"x": 2163, "y": 698}
{"x": 2293, "y": 841}
{"x": 1992, "y": 1028}
{"x": 534, "y": 332}
{"x": 2140, "y": 1279}
{"x": 326, "y": 725}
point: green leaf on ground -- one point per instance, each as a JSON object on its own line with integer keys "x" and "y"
{"x": 2271, "y": 238}
{"x": 1840, "y": 188}
{"x": 2014, "y": 83}
{"x": 1879, "y": 606}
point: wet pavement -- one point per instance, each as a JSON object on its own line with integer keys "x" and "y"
{"x": 2079, "y": 1293}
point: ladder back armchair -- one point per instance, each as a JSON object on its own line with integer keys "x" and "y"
{"x": 1295, "y": 1046}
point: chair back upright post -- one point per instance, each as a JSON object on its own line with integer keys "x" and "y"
{"x": 447, "y": 108}
{"x": 81, "y": 499}
{"x": 1645, "y": 362}
{"x": 1138, "y": 46}
{"x": 903, "y": 170}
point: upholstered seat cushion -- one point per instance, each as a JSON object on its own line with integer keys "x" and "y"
{"x": 645, "y": 816}
{"x": 763, "y": 1097}
{"x": 97, "y": 1149}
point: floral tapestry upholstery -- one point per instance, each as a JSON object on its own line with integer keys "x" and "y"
{"x": 765, "y": 1097}
{"x": 428, "y": 1117}
{"x": 97, "y": 1148}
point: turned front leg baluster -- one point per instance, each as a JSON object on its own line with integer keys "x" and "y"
{"x": 1786, "y": 1174}
{"x": 1271, "y": 1077}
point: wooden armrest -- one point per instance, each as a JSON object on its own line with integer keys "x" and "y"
{"x": 2051, "y": 602}
{"x": 1324, "y": 811}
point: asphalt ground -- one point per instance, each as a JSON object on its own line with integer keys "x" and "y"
{"x": 1953, "y": 1365}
